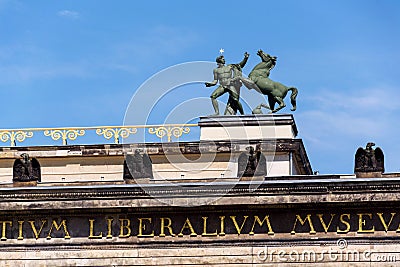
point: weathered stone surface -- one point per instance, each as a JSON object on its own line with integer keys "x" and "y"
{"x": 211, "y": 217}
{"x": 381, "y": 255}
{"x": 248, "y": 127}
{"x": 170, "y": 161}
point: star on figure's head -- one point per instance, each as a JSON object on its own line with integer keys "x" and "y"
{"x": 221, "y": 51}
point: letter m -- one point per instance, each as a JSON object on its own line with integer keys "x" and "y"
{"x": 302, "y": 222}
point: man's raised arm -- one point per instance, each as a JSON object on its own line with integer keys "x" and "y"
{"x": 244, "y": 61}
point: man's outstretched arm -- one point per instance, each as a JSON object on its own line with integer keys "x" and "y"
{"x": 214, "y": 82}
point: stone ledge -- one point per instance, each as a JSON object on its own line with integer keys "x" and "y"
{"x": 278, "y": 145}
{"x": 247, "y": 127}
{"x": 249, "y": 120}
{"x": 271, "y": 193}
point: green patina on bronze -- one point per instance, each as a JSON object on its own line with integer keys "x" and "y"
{"x": 260, "y": 81}
{"x": 228, "y": 84}
{"x": 230, "y": 79}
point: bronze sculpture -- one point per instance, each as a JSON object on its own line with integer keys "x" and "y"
{"x": 230, "y": 80}
{"x": 138, "y": 165}
{"x": 257, "y": 110}
{"x": 252, "y": 163}
{"x": 369, "y": 160}
{"x": 228, "y": 77}
{"x": 259, "y": 80}
{"x": 26, "y": 169}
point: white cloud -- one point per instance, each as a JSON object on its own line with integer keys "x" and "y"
{"x": 370, "y": 99}
{"x": 69, "y": 14}
{"x": 335, "y": 122}
{"x": 364, "y": 112}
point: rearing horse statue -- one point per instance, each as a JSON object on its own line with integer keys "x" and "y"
{"x": 258, "y": 80}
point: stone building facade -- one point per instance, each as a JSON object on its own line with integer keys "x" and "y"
{"x": 229, "y": 199}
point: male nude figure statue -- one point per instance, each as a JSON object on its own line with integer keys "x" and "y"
{"x": 225, "y": 76}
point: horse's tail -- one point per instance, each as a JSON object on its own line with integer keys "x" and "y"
{"x": 293, "y": 97}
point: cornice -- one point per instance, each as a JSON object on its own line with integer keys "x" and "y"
{"x": 327, "y": 185}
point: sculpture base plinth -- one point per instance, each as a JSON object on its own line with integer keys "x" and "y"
{"x": 247, "y": 127}
{"x": 24, "y": 184}
{"x": 137, "y": 181}
{"x": 368, "y": 174}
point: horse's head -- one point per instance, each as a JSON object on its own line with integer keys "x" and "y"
{"x": 266, "y": 57}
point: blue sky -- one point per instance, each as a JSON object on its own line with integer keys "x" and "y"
{"x": 78, "y": 63}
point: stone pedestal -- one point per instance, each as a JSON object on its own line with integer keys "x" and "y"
{"x": 368, "y": 174}
{"x": 251, "y": 129}
{"x": 247, "y": 127}
{"x": 25, "y": 184}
